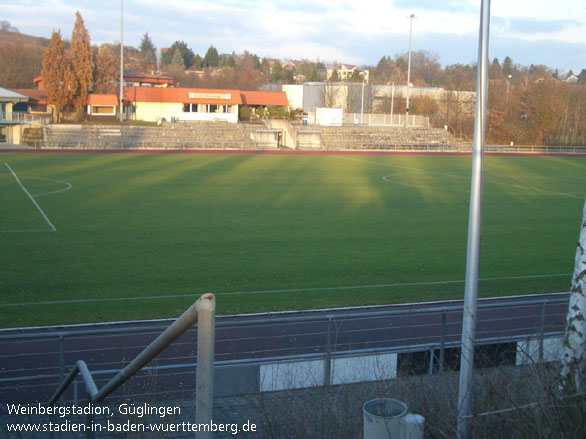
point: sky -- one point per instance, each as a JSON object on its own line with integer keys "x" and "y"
{"x": 552, "y": 33}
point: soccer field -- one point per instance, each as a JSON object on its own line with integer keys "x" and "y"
{"x": 104, "y": 237}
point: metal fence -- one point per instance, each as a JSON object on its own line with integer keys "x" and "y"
{"x": 275, "y": 352}
{"x": 25, "y": 118}
{"x": 388, "y": 120}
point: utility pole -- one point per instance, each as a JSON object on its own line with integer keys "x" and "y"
{"x": 121, "y": 60}
{"x": 411, "y": 17}
{"x": 474, "y": 229}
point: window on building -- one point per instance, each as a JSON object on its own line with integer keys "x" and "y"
{"x": 38, "y": 108}
{"x": 213, "y": 108}
{"x": 98, "y": 109}
{"x": 187, "y": 108}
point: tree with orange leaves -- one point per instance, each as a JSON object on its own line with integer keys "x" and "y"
{"x": 104, "y": 71}
{"x": 82, "y": 63}
{"x": 58, "y": 76}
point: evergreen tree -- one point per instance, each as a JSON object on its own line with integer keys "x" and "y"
{"x": 58, "y": 77}
{"x": 313, "y": 75}
{"x": 211, "y": 58}
{"x": 177, "y": 59}
{"x": 82, "y": 63}
{"x": 186, "y": 53}
{"x": 508, "y": 66}
{"x": 265, "y": 67}
{"x": 277, "y": 70}
{"x": 148, "y": 53}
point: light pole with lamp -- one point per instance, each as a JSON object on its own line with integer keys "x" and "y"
{"x": 121, "y": 60}
{"x": 411, "y": 17}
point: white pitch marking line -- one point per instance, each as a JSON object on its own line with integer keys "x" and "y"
{"x": 31, "y": 198}
{"x": 293, "y": 290}
{"x": 66, "y": 184}
{"x": 420, "y": 171}
{"x": 25, "y": 231}
{"x": 530, "y": 189}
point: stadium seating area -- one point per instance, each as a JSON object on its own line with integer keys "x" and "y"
{"x": 221, "y": 135}
{"x": 385, "y": 138}
{"x": 204, "y": 135}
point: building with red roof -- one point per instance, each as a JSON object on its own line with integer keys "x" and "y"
{"x": 156, "y": 104}
{"x": 102, "y": 105}
{"x": 153, "y": 98}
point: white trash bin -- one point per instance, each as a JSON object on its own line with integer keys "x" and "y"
{"x": 382, "y": 418}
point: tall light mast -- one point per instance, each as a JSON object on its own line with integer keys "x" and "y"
{"x": 411, "y": 17}
{"x": 121, "y": 60}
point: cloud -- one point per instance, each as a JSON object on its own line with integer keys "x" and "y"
{"x": 357, "y": 32}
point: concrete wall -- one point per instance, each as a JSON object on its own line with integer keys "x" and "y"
{"x": 294, "y": 95}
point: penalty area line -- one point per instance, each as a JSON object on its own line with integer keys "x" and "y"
{"x": 31, "y": 198}
{"x": 293, "y": 290}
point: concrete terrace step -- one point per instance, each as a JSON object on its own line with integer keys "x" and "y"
{"x": 380, "y": 137}
{"x": 176, "y": 135}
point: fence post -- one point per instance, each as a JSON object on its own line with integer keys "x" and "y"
{"x": 328, "y": 359}
{"x": 442, "y": 342}
{"x": 431, "y": 358}
{"x": 205, "y": 363}
{"x": 541, "y": 332}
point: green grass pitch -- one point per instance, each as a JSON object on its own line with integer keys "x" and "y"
{"x": 141, "y": 236}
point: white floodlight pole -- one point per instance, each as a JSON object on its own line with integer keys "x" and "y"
{"x": 474, "y": 228}
{"x": 411, "y": 17}
{"x": 393, "y": 101}
{"x": 362, "y": 104}
{"x": 121, "y": 60}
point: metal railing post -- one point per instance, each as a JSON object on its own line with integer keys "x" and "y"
{"x": 328, "y": 358}
{"x": 61, "y": 358}
{"x": 431, "y": 358}
{"x": 205, "y": 363}
{"x": 204, "y": 305}
{"x": 442, "y": 342}
{"x": 541, "y": 332}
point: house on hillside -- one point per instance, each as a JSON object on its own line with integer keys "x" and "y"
{"x": 37, "y": 102}
{"x": 346, "y": 72}
{"x": 572, "y": 79}
{"x": 137, "y": 79}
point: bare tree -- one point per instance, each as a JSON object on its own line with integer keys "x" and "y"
{"x": 332, "y": 95}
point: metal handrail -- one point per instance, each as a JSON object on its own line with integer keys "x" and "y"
{"x": 201, "y": 312}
